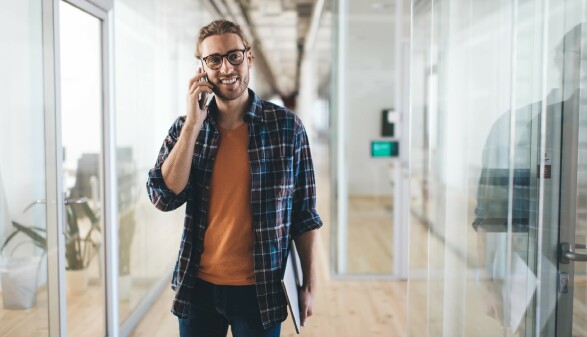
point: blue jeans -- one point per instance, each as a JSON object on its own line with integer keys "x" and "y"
{"x": 213, "y": 308}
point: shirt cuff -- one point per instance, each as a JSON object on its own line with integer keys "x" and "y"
{"x": 305, "y": 221}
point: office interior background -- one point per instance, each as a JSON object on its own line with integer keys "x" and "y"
{"x": 449, "y": 140}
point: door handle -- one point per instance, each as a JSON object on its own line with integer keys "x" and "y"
{"x": 71, "y": 201}
{"x": 567, "y": 254}
{"x": 36, "y": 202}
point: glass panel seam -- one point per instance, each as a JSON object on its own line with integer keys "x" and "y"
{"x": 429, "y": 169}
{"x": 342, "y": 195}
{"x": 512, "y": 154}
{"x": 544, "y": 88}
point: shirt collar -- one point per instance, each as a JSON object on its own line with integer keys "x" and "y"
{"x": 254, "y": 112}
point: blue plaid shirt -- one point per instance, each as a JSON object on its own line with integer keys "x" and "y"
{"x": 283, "y": 199}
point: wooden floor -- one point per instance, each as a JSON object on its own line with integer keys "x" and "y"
{"x": 370, "y": 235}
{"x": 26, "y": 323}
{"x": 343, "y": 308}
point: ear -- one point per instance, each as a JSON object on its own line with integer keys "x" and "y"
{"x": 250, "y": 58}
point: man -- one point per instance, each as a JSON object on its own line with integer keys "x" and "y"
{"x": 243, "y": 167}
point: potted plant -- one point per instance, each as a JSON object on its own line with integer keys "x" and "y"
{"x": 19, "y": 275}
{"x": 81, "y": 244}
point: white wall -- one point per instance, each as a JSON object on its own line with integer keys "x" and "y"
{"x": 311, "y": 107}
{"x": 308, "y": 93}
{"x": 22, "y": 167}
{"x": 370, "y": 89}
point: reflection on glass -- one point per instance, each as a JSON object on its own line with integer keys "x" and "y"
{"x": 81, "y": 112}
{"x": 514, "y": 273}
{"x": 575, "y": 56}
{"x": 490, "y": 94}
{"x": 127, "y": 195}
{"x": 149, "y": 71}
{"x": 23, "y": 271}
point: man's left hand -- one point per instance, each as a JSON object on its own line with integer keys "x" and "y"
{"x": 306, "y": 298}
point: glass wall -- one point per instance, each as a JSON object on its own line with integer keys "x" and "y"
{"x": 493, "y": 84}
{"x": 23, "y": 272}
{"x": 81, "y": 134}
{"x": 369, "y": 135}
{"x": 154, "y": 59}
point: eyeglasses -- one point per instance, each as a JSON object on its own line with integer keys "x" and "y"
{"x": 234, "y": 57}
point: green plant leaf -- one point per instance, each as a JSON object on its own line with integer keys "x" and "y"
{"x": 8, "y": 239}
{"x": 38, "y": 240}
{"x": 36, "y": 234}
{"x": 89, "y": 213}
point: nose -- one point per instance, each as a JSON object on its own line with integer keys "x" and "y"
{"x": 226, "y": 67}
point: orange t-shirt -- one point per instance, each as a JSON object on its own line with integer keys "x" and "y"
{"x": 227, "y": 258}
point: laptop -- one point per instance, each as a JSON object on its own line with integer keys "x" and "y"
{"x": 291, "y": 282}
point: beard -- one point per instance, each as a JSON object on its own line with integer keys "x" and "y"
{"x": 231, "y": 92}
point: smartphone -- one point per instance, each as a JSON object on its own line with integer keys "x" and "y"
{"x": 203, "y": 99}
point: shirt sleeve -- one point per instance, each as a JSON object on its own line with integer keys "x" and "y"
{"x": 304, "y": 215}
{"x": 161, "y": 196}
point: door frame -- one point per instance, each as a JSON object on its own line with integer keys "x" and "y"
{"x": 104, "y": 11}
{"x": 568, "y": 211}
{"x": 569, "y": 190}
{"x": 339, "y": 156}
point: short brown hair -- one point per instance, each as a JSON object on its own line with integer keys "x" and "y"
{"x": 219, "y": 27}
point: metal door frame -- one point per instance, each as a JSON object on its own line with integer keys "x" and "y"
{"x": 102, "y": 10}
{"x": 569, "y": 189}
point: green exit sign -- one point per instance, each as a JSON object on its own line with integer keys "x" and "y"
{"x": 384, "y": 149}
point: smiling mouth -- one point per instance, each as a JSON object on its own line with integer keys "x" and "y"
{"x": 229, "y": 80}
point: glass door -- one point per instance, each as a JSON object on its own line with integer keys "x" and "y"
{"x": 542, "y": 289}
{"x": 572, "y": 257}
{"x": 499, "y": 169}
{"x": 83, "y": 162}
{"x": 54, "y": 94}
{"x": 54, "y": 175}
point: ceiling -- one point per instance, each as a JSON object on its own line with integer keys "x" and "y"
{"x": 279, "y": 30}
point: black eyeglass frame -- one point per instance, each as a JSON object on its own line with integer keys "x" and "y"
{"x": 223, "y": 56}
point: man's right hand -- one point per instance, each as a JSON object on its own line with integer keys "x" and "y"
{"x": 195, "y": 115}
{"x": 176, "y": 168}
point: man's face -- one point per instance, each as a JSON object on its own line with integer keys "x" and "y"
{"x": 229, "y": 81}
